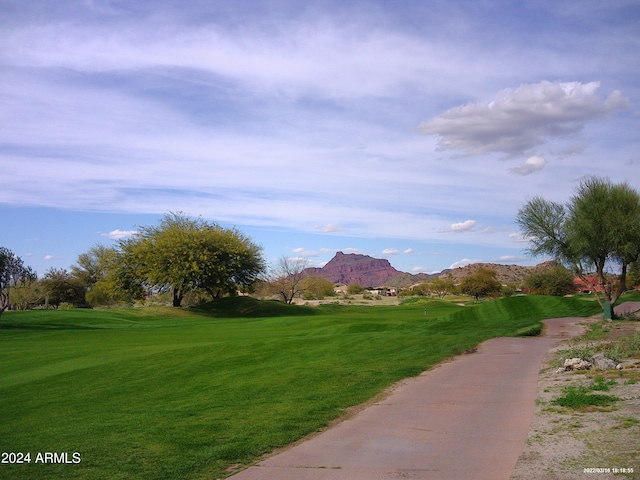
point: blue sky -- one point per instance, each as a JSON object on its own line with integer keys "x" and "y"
{"x": 412, "y": 130}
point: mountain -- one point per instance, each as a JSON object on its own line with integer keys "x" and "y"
{"x": 354, "y": 268}
{"x": 505, "y": 273}
{"x": 375, "y": 272}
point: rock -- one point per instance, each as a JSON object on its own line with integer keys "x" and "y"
{"x": 576, "y": 364}
{"x": 561, "y": 369}
{"x": 619, "y": 366}
{"x": 603, "y": 363}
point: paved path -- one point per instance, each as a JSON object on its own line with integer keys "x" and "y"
{"x": 465, "y": 419}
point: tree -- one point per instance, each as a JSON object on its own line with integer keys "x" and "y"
{"x": 316, "y": 287}
{"x": 441, "y": 286}
{"x": 13, "y": 272}
{"x": 287, "y": 278}
{"x": 598, "y": 230}
{"x": 182, "y": 254}
{"x": 92, "y": 265}
{"x": 101, "y": 272}
{"x": 27, "y": 294}
{"x": 62, "y": 287}
{"x": 481, "y": 283}
{"x": 550, "y": 281}
{"x": 633, "y": 274}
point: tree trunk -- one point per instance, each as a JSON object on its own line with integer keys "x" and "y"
{"x": 177, "y": 297}
{"x": 623, "y": 284}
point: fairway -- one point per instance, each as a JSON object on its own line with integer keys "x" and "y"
{"x": 162, "y": 393}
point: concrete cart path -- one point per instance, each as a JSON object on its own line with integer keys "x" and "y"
{"x": 465, "y": 419}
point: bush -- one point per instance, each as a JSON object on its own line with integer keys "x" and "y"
{"x": 556, "y": 281}
{"x": 578, "y": 397}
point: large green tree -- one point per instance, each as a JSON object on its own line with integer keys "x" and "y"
{"x": 596, "y": 233}
{"x": 481, "y": 283}
{"x": 13, "y": 272}
{"x": 184, "y": 254}
{"x": 60, "y": 286}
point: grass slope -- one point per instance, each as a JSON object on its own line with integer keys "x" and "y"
{"x": 160, "y": 393}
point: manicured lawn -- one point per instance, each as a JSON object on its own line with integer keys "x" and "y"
{"x": 162, "y": 393}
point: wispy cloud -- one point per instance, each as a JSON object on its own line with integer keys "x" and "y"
{"x": 329, "y": 228}
{"x": 390, "y": 251}
{"x": 302, "y": 252}
{"x": 305, "y": 118}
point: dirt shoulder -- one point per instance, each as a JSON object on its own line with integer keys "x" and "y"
{"x": 589, "y": 442}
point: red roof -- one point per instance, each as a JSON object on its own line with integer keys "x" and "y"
{"x": 592, "y": 284}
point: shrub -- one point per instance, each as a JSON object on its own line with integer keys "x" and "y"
{"x": 578, "y": 397}
{"x": 556, "y": 281}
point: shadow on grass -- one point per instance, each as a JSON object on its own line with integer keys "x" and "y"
{"x": 248, "y": 307}
{"x": 46, "y": 326}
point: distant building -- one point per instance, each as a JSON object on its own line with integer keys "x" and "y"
{"x": 586, "y": 287}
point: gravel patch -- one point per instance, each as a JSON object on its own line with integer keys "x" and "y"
{"x": 589, "y": 442}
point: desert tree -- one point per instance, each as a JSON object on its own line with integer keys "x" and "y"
{"x": 556, "y": 280}
{"x": 13, "y": 273}
{"x": 597, "y": 231}
{"x": 317, "y": 287}
{"x": 182, "y": 254}
{"x": 60, "y": 286}
{"x": 441, "y": 286}
{"x": 103, "y": 274}
{"x": 481, "y": 283}
{"x": 286, "y": 277}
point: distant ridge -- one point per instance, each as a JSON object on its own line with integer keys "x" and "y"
{"x": 504, "y": 273}
{"x": 378, "y": 272}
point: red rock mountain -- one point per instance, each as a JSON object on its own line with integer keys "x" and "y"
{"x": 374, "y": 272}
{"x": 353, "y": 268}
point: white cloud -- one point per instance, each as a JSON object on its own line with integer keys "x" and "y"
{"x": 518, "y": 237}
{"x": 511, "y": 258}
{"x": 466, "y": 226}
{"x": 329, "y": 228}
{"x": 464, "y": 262}
{"x": 305, "y": 253}
{"x": 48, "y": 257}
{"x": 117, "y": 234}
{"x": 517, "y": 120}
{"x": 408, "y": 251}
{"x": 390, "y": 251}
{"x": 533, "y": 164}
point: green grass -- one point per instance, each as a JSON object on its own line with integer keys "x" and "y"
{"x": 162, "y": 393}
{"x": 580, "y": 397}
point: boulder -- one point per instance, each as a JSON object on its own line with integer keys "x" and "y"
{"x": 576, "y": 364}
{"x": 602, "y": 363}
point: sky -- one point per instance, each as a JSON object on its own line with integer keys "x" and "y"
{"x": 412, "y": 131}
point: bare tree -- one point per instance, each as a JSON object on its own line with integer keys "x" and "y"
{"x": 286, "y": 277}
{"x": 12, "y": 273}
